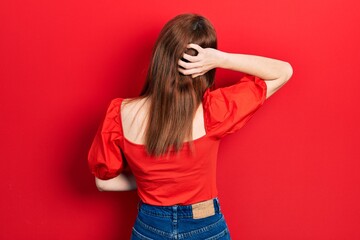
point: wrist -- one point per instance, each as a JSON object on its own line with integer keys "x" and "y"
{"x": 221, "y": 59}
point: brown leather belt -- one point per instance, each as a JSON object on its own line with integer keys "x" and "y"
{"x": 203, "y": 209}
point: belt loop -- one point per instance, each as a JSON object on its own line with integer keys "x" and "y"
{"x": 218, "y": 204}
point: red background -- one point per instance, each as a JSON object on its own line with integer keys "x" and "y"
{"x": 291, "y": 173}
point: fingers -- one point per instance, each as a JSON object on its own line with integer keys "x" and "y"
{"x": 197, "y": 75}
{"x": 190, "y": 71}
{"x": 195, "y": 66}
{"x": 195, "y": 46}
{"x": 188, "y": 68}
{"x": 194, "y": 72}
{"x": 189, "y": 65}
{"x": 191, "y": 58}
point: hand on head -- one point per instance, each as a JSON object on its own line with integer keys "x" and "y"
{"x": 204, "y": 61}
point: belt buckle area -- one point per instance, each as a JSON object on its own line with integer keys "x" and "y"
{"x": 203, "y": 209}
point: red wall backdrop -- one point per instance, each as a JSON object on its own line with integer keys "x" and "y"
{"x": 291, "y": 173}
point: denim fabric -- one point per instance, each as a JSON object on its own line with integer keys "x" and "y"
{"x": 176, "y": 222}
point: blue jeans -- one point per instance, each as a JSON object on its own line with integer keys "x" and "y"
{"x": 177, "y": 222}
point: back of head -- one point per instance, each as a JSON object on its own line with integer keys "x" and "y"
{"x": 175, "y": 97}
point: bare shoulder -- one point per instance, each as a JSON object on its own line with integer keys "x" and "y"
{"x": 131, "y": 104}
{"x": 134, "y": 113}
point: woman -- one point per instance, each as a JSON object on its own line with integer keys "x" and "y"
{"x": 164, "y": 143}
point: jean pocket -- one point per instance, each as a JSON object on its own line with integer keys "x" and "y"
{"x": 212, "y": 228}
{"x": 135, "y": 235}
{"x": 147, "y": 227}
{"x": 223, "y": 235}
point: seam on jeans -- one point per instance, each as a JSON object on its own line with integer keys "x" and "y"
{"x": 201, "y": 230}
{"x": 219, "y": 235}
{"x": 139, "y": 235}
{"x": 154, "y": 213}
{"x": 162, "y": 215}
{"x": 154, "y": 230}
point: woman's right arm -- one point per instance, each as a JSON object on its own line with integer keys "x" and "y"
{"x": 122, "y": 182}
{"x": 275, "y": 72}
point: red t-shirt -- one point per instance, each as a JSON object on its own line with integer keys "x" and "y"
{"x": 179, "y": 178}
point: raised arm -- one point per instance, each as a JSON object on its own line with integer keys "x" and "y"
{"x": 275, "y": 72}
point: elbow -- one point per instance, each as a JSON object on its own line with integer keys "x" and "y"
{"x": 99, "y": 184}
{"x": 285, "y": 73}
{"x": 288, "y": 71}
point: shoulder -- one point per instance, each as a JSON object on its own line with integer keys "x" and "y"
{"x": 126, "y": 106}
{"x": 131, "y": 104}
{"x": 113, "y": 108}
{"x": 116, "y": 102}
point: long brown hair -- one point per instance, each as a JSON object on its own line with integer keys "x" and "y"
{"x": 174, "y": 97}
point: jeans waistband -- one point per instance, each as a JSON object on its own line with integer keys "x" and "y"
{"x": 200, "y": 209}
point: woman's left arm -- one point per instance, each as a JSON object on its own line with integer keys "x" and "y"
{"x": 122, "y": 182}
